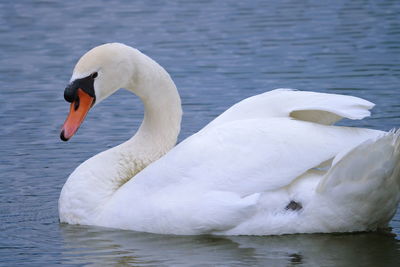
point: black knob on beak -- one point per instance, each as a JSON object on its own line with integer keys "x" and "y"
{"x": 70, "y": 93}
{"x": 86, "y": 84}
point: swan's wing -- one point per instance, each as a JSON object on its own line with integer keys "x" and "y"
{"x": 264, "y": 138}
{"x": 212, "y": 181}
{"x": 308, "y": 106}
{"x": 251, "y": 156}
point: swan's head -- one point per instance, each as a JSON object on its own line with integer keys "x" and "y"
{"x": 98, "y": 74}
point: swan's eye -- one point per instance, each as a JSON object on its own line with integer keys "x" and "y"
{"x": 94, "y": 75}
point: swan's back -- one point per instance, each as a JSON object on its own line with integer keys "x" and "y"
{"x": 256, "y": 169}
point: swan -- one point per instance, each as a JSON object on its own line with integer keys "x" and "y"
{"x": 272, "y": 164}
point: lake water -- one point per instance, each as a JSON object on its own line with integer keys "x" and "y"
{"x": 218, "y": 52}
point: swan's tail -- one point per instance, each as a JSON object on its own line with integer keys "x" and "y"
{"x": 363, "y": 185}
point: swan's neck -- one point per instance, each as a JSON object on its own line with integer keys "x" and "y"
{"x": 159, "y": 130}
{"x": 95, "y": 181}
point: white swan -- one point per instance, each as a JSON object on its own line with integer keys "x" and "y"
{"x": 271, "y": 164}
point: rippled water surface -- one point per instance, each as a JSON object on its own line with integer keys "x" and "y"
{"x": 218, "y": 52}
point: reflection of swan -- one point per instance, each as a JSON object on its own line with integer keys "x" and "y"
{"x": 99, "y": 246}
{"x": 271, "y": 164}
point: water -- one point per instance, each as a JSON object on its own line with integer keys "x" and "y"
{"x": 218, "y": 52}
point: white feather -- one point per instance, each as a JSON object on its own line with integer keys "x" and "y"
{"x": 240, "y": 173}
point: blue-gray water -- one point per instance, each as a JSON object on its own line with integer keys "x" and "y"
{"x": 218, "y": 52}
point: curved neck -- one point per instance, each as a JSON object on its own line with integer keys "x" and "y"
{"x": 162, "y": 104}
{"x": 106, "y": 172}
{"x": 160, "y": 128}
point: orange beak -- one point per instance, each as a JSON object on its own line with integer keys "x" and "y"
{"x": 77, "y": 113}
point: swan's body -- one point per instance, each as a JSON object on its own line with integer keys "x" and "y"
{"x": 271, "y": 164}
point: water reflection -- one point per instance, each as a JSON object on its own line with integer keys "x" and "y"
{"x": 100, "y": 246}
